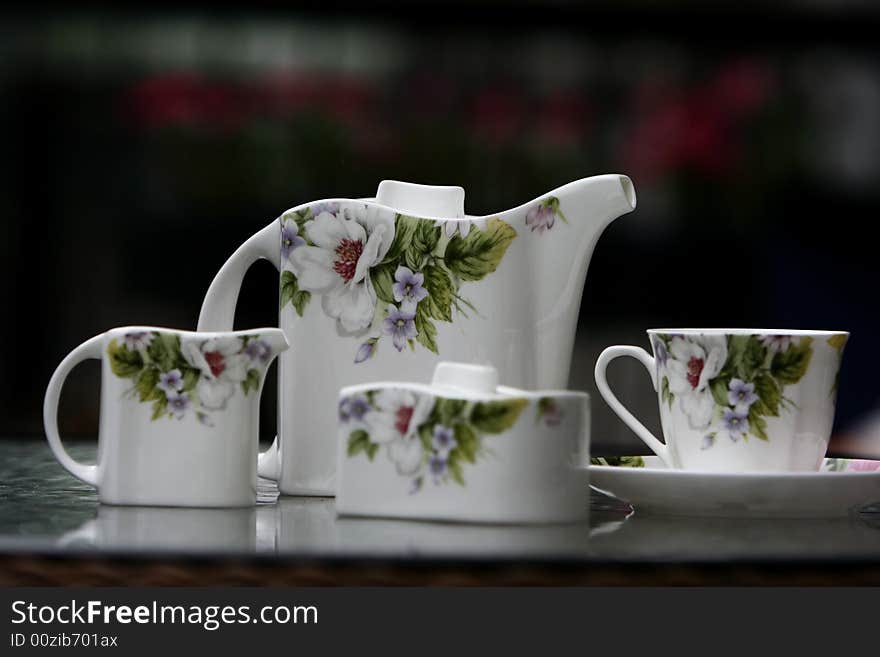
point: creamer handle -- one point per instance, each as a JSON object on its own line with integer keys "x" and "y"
{"x": 91, "y": 348}
{"x": 218, "y": 308}
{"x": 628, "y": 418}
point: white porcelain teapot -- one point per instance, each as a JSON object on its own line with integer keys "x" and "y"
{"x": 384, "y": 288}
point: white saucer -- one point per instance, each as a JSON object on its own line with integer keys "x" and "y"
{"x": 841, "y": 486}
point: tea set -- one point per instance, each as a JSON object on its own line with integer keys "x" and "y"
{"x": 376, "y": 295}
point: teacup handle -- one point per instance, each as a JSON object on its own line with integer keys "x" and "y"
{"x": 218, "y": 308}
{"x": 91, "y": 348}
{"x": 628, "y": 418}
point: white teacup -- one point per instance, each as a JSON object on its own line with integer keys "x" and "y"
{"x": 179, "y": 415}
{"x": 735, "y": 400}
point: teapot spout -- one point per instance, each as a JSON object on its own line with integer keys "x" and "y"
{"x": 599, "y": 200}
{"x": 566, "y": 225}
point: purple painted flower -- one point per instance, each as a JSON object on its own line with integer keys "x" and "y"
{"x": 170, "y": 382}
{"x": 444, "y": 440}
{"x": 408, "y": 288}
{"x": 258, "y": 350}
{"x": 736, "y": 423}
{"x": 553, "y": 415}
{"x": 741, "y": 395}
{"x": 862, "y": 465}
{"x": 540, "y": 218}
{"x": 138, "y": 340}
{"x": 328, "y": 206}
{"x": 438, "y": 468}
{"x": 777, "y": 342}
{"x": 399, "y": 325}
{"x": 660, "y": 351}
{"x": 353, "y": 408}
{"x": 290, "y": 239}
{"x": 366, "y": 351}
{"x": 178, "y": 404}
{"x": 550, "y": 412}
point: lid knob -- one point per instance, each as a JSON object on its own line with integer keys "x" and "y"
{"x": 466, "y": 377}
{"x": 445, "y": 202}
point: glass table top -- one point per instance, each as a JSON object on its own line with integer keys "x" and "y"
{"x": 45, "y": 510}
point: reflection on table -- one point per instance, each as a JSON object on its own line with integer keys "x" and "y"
{"x": 46, "y": 510}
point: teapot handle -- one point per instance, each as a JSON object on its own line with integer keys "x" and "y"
{"x": 218, "y": 308}
{"x": 611, "y": 399}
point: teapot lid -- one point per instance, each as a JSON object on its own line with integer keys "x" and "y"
{"x": 462, "y": 381}
{"x": 443, "y": 201}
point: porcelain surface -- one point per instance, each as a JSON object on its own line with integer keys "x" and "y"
{"x": 841, "y": 486}
{"x": 459, "y": 450}
{"x": 736, "y": 400}
{"x": 179, "y": 415}
{"x": 382, "y": 289}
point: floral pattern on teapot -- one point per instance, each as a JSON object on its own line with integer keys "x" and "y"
{"x": 189, "y": 376}
{"x": 728, "y": 385}
{"x": 386, "y": 276}
{"x": 428, "y": 438}
{"x": 542, "y": 217}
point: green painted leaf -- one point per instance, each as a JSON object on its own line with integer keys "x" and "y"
{"x": 789, "y": 366}
{"x": 497, "y": 416}
{"x": 371, "y": 450}
{"x": 426, "y": 237}
{"x": 665, "y": 394}
{"x": 426, "y": 434}
{"x": 426, "y": 332}
{"x": 449, "y": 410}
{"x": 358, "y": 441}
{"x": 289, "y": 287}
{"x": 160, "y": 407}
{"x": 441, "y": 293}
{"x": 455, "y": 472}
{"x": 190, "y": 379}
{"x": 769, "y": 395}
{"x": 124, "y": 362}
{"x": 414, "y": 259}
{"x": 837, "y": 341}
{"x": 383, "y": 281}
{"x": 251, "y": 382}
{"x": 619, "y": 461}
{"x": 468, "y": 442}
{"x": 757, "y": 424}
{"x": 719, "y": 387}
{"x": 404, "y": 231}
{"x": 300, "y": 301}
{"x": 753, "y": 357}
{"x": 146, "y": 384}
{"x": 480, "y": 253}
{"x": 746, "y": 354}
{"x": 290, "y": 293}
{"x": 165, "y": 351}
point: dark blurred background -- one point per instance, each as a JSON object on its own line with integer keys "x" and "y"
{"x": 139, "y": 149}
